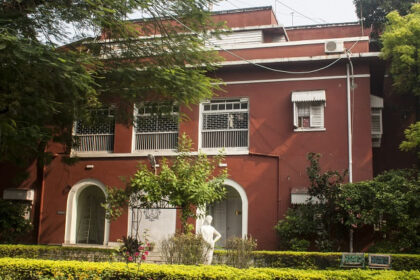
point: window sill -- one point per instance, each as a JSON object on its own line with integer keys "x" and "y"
{"x": 160, "y": 153}
{"x": 309, "y": 129}
{"x": 225, "y": 151}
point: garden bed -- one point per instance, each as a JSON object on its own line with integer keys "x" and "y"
{"x": 17, "y": 268}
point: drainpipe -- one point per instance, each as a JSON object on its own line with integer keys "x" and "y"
{"x": 349, "y": 131}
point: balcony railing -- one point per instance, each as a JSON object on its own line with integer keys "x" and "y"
{"x": 157, "y": 141}
{"x": 225, "y": 138}
{"x": 94, "y": 142}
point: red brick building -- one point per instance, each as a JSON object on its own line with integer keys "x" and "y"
{"x": 286, "y": 92}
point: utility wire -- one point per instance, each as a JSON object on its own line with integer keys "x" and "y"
{"x": 299, "y": 13}
{"x": 257, "y": 64}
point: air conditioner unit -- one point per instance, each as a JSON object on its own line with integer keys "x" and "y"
{"x": 334, "y": 46}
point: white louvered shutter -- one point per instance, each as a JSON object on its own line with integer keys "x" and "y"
{"x": 317, "y": 115}
{"x": 295, "y": 115}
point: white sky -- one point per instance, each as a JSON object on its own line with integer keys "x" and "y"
{"x": 305, "y": 12}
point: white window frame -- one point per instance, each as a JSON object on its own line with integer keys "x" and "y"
{"x": 150, "y": 151}
{"x": 74, "y": 151}
{"x": 226, "y": 150}
{"x": 316, "y": 102}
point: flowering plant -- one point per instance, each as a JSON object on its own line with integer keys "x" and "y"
{"x": 134, "y": 250}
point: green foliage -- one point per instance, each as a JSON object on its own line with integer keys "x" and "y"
{"x": 188, "y": 249}
{"x": 41, "y": 269}
{"x": 239, "y": 251}
{"x": 44, "y": 87}
{"x": 375, "y": 11}
{"x": 297, "y": 227}
{"x": 390, "y": 202}
{"x": 57, "y": 252}
{"x": 412, "y": 139}
{"x": 187, "y": 182}
{"x": 13, "y": 224}
{"x": 133, "y": 250}
{"x": 318, "y": 221}
{"x": 316, "y": 260}
{"x": 401, "y": 42}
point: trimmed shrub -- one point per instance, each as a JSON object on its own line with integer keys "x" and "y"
{"x": 184, "y": 249}
{"x": 317, "y": 260}
{"x": 59, "y": 253}
{"x": 239, "y": 251}
{"x": 17, "y": 269}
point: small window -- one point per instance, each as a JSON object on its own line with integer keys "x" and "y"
{"x": 97, "y": 135}
{"x": 308, "y": 110}
{"x": 156, "y": 127}
{"x": 225, "y": 123}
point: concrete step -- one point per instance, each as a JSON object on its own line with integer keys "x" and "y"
{"x": 155, "y": 257}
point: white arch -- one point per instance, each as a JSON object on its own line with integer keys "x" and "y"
{"x": 71, "y": 211}
{"x": 244, "y": 200}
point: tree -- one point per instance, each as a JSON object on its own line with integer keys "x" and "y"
{"x": 44, "y": 87}
{"x": 412, "y": 139}
{"x": 401, "y": 44}
{"x": 389, "y": 203}
{"x": 13, "y": 225}
{"x": 318, "y": 222}
{"x": 189, "y": 182}
{"x": 373, "y": 12}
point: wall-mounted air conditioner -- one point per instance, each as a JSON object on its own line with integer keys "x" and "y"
{"x": 334, "y": 46}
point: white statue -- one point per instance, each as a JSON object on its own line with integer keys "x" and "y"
{"x": 210, "y": 235}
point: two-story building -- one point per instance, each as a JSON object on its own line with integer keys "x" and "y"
{"x": 286, "y": 92}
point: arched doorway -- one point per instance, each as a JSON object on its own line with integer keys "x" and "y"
{"x": 90, "y": 223}
{"x": 85, "y": 217}
{"x": 230, "y": 216}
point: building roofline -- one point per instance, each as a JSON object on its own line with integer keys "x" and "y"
{"x": 242, "y": 10}
{"x": 322, "y": 25}
{"x": 213, "y": 13}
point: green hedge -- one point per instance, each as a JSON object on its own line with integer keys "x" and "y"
{"x": 317, "y": 260}
{"x": 16, "y": 268}
{"x": 58, "y": 252}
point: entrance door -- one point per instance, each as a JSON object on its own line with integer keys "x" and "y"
{"x": 90, "y": 216}
{"x": 227, "y": 216}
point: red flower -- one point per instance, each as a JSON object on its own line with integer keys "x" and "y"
{"x": 143, "y": 257}
{"x": 146, "y": 253}
{"x": 130, "y": 258}
{"x": 141, "y": 248}
{"x": 136, "y": 254}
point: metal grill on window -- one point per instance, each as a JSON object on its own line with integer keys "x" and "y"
{"x": 158, "y": 131}
{"x": 96, "y": 136}
{"x": 225, "y": 123}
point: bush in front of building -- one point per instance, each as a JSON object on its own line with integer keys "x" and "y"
{"x": 11, "y": 268}
{"x": 239, "y": 251}
{"x": 13, "y": 224}
{"x": 184, "y": 248}
{"x": 321, "y": 261}
{"x": 59, "y": 253}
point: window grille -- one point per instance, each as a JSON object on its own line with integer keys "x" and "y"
{"x": 156, "y": 128}
{"x": 98, "y": 136}
{"x": 225, "y": 123}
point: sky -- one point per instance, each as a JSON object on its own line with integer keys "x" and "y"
{"x": 299, "y": 12}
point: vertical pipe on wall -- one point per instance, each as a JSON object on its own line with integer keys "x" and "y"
{"x": 350, "y": 141}
{"x": 349, "y": 130}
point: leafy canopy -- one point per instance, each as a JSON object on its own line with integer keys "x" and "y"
{"x": 374, "y": 11}
{"x": 43, "y": 87}
{"x": 401, "y": 44}
{"x": 412, "y": 139}
{"x": 188, "y": 182}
